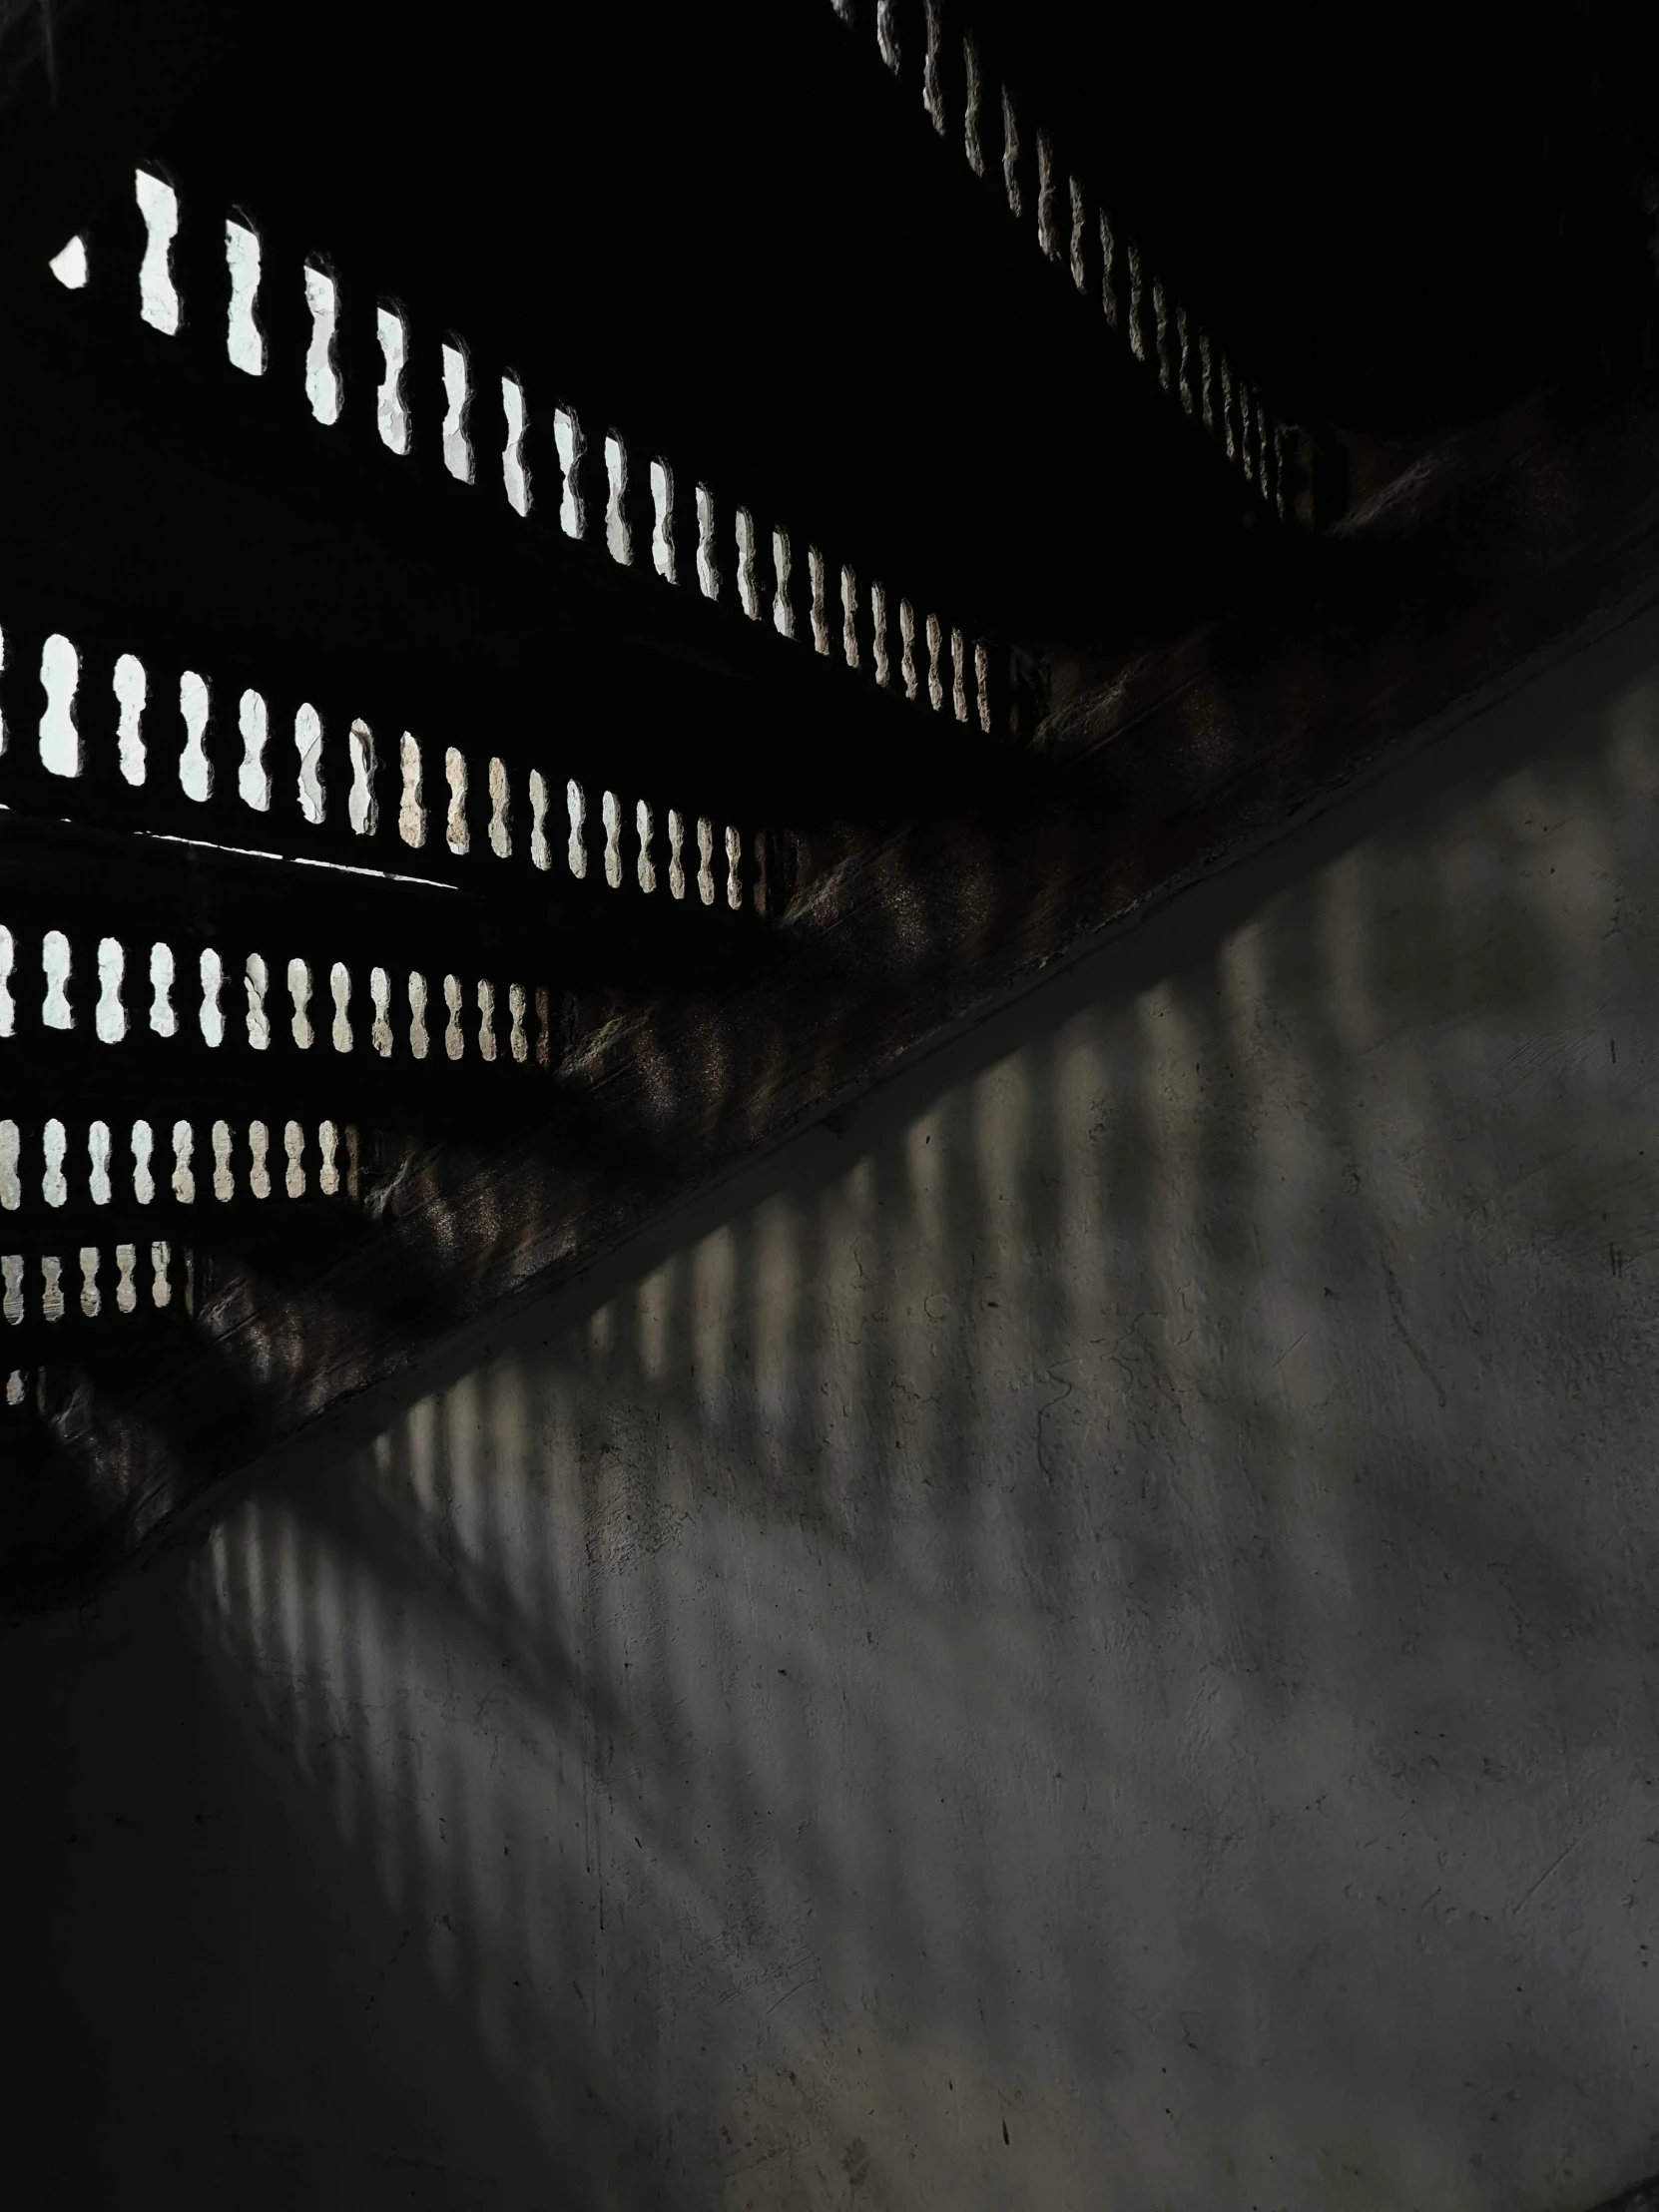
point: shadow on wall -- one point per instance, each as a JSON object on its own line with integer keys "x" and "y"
{"x": 1088, "y": 1645}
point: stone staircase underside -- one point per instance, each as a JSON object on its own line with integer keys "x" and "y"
{"x": 909, "y": 552}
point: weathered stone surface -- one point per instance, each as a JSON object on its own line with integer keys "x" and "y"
{"x": 1107, "y": 1595}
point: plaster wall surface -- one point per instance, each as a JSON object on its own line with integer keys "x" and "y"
{"x": 1085, "y": 1640}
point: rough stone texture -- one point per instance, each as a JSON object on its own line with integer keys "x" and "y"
{"x": 1086, "y": 1640}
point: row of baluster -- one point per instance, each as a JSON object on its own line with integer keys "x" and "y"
{"x": 125, "y": 1163}
{"x": 91, "y": 733}
{"x": 944, "y": 66}
{"x": 257, "y": 304}
{"x": 59, "y": 982}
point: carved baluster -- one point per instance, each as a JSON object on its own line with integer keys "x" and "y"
{"x": 989, "y": 703}
{"x": 543, "y": 464}
{"x": 247, "y": 755}
{"x": 787, "y": 554}
{"x": 377, "y": 786}
{"x": 575, "y": 428}
{"x": 1082, "y": 240}
{"x": 79, "y": 990}
{"x": 857, "y": 623}
{"x": 161, "y": 1272}
{"x": 611, "y": 478}
{"x": 1249, "y": 434}
{"x": 638, "y": 508}
{"x": 944, "y": 91}
{"x": 1014, "y": 162}
{"x": 511, "y": 473}
{"x": 461, "y": 409}
{"x": 1114, "y": 302}
{"x": 425, "y": 401}
{"x": 711, "y": 549}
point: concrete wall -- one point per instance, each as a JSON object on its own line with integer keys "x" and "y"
{"x": 1087, "y": 1641}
